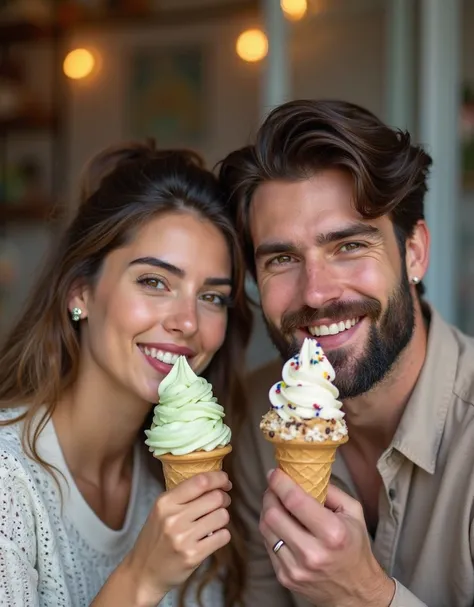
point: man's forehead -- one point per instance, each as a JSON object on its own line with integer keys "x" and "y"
{"x": 320, "y": 204}
{"x": 331, "y": 187}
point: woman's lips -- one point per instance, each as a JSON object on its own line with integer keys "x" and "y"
{"x": 162, "y": 357}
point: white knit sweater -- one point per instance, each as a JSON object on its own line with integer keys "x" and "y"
{"x": 54, "y": 555}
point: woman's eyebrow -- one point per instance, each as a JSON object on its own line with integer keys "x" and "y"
{"x": 159, "y": 263}
{"x": 179, "y": 272}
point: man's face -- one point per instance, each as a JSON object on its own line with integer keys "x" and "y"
{"x": 325, "y": 272}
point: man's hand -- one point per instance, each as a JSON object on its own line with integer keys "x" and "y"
{"x": 326, "y": 556}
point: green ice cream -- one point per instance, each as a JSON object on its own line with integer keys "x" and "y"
{"x": 188, "y": 417}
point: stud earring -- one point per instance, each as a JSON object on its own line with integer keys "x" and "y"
{"x": 76, "y": 314}
{"x": 415, "y": 280}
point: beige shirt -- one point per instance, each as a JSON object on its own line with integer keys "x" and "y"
{"x": 425, "y": 534}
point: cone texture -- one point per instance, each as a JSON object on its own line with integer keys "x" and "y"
{"x": 178, "y": 468}
{"x": 308, "y": 464}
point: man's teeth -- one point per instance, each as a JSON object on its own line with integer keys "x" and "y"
{"x": 334, "y": 328}
{"x": 164, "y": 357}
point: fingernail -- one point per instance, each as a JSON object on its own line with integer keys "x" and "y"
{"x": 269, "y": 473}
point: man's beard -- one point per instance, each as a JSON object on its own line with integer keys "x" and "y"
{"x": 389, "y": 334}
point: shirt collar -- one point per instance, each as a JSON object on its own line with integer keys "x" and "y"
{"x": 419, "y": 432}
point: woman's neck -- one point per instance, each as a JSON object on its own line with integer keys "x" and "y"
{"x": 97, "y": 426}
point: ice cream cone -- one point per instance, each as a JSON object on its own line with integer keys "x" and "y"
{"x": 178, "y": 468}
{"x": 307, "y": 463}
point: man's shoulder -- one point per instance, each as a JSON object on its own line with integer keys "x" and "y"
{"x": 259, "y": 382}
{"x": 254, "y": 454}
{"x": 465, "y": 341}
{"x": 450, "y": 359}
{"x": 464, "y": 381}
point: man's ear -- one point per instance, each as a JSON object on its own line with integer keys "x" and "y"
{"x": 418, "y": 251}
{"x": 79, "y": 297}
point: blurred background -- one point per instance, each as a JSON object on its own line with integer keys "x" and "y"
{"x": 76, "y": 75}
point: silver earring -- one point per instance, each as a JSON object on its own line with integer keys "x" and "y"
{"x": 76, "y": 314}
{"x": 415, "y": 280}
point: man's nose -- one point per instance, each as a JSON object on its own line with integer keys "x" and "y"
{"x": 321, "y": 285}
{"x": 182, "y": 318}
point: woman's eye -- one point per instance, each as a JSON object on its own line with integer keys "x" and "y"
{"x": 215, "y": 299}
{"x": 350, "y": 247}
{"x": 152, "y": 283}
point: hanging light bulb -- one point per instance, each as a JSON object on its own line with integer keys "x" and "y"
{"x": 294, "y": 9}
{"x": 78, "y": 63}
{"x": 252, "y": 45}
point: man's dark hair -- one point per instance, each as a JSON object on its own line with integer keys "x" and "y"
{"x": 304, "y": 137}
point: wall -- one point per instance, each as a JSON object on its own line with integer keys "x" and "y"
{"x": 466, "y": 216}
{"x": 337, "y": 54}
{"x": 324, "y": 52}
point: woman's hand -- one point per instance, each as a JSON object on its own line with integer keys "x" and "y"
{"x": 185, "y": 526}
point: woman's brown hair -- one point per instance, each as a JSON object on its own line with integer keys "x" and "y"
{"x": 122, "y": 188}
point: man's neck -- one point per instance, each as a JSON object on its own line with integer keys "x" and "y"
{"x": 373, "y": 417}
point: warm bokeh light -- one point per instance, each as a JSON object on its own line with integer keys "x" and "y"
{"x": 79, "y": 63}
{"x": 252, "y": 45}
{"x": 294, "y": 9}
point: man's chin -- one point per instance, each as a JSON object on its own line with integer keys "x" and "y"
{"x": 344, "y": 357}
{"x": 346, "y": 382}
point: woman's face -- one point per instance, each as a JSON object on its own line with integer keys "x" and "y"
{"x": 163, "y": 295}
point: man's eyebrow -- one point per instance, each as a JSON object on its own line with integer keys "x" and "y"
{"x": 351, "y": 231}
{"x": 273, "y": 248}
{"x": 172, "y": 269}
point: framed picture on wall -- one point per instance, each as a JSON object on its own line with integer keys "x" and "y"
{"x": 167, "y": 91}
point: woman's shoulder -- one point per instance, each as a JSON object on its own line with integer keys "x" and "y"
{"x": 11, "y": 428}
{"x": 13, "y": 459}
{"x": 10, "y": 414}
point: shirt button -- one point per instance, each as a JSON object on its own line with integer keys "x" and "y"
{"x": 392, "y": 493}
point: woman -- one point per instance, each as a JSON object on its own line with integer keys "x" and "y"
{"x": 149, "y": 262}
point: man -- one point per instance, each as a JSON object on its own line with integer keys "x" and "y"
{"x": 329, "y": 205}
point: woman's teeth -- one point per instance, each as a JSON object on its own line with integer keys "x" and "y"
{"x": 161, "y": 355}
{"x": 334, "y": 328}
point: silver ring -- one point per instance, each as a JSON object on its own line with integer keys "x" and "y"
{"x": 277, "y": 546}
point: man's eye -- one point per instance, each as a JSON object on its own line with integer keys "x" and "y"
{"x": 281, "y": 260}
{"x": 350, "y": 247}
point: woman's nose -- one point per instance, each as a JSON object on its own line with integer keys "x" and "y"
{"x": 182, "y": 317}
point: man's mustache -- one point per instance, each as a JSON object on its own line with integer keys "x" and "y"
{"x": 337, "y": 311}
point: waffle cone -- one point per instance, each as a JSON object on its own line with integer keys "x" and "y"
{"x": 307, "y": 463}
{"x": 178, "y": 468}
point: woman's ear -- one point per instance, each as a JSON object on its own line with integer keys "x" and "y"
{"x": 78, "y": 301}
{"x": 418, "y": 252}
